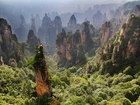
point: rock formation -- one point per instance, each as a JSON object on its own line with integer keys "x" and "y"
{"x": 72, "y": 21}
{"x": 33, "y": 25}
{"x": 86, "y": 40}
{"x": 32, "y": 41}
{"x": 71, "y": 48}
{"x": 48, "y": 31}
{"x": 9, "y": 46}
{"x": 37, "y": 21}
{"x": 43, "y": 84}
{"x": 98, "y": 19}
{"x": 124, "y": 50}
{"x": 22, "y": 30}
{"x": 106, "y": 32}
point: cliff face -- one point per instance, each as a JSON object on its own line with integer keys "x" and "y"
{"x": 43, "y": 84}
{"x": 98, "y": 18}
{"x": 125, "y": 9}
{"x": 71, "y": 48}
{"x": 106, "y": 32}
{"x": 22, "y": 30}
{"x": 85, "y": 37}
{"x": 124, "y": 50}
{"x": 48, "y": 31}
{"x": 9, "y": 46}
{"x": 33, "y": 25}
{"x": 32, "y": 40}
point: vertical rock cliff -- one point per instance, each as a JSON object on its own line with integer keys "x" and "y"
{"x": 10, "y": 48}
{"x": 43, "y": 84}
{"x": 124, "y": 50}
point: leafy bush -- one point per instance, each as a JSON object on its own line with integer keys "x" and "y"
{"x": 128, "y": 70}
{"x": 91, "y": 100}
{"x": 65, "y": 79}
{"x": 76, "y": 101}
{"x": 126, "y": 101}
{"x": 12, "y": 62}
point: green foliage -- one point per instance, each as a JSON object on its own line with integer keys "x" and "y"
{"x": 65, "y": 79}
{"x": 44, "y": 100}
{"x": 76, "y": 101}
{"x": 15, "y": 85}
{"x": 125, "y": 101}
{"x": 12, "y": 62}
{"x": 91, "y": 100}
{"x": 128, "y": 70}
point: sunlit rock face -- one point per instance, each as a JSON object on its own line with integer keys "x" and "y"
{"x": 71, "y": 47}
{"x": 125, "y": 49}
{"x": 106, "y": 32}
{"x": 43, "y": 84}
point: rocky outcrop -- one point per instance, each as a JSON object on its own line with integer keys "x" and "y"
{"x": 37, "y": 21}
{"x": 33, "y": 25}
{"x": 98, "y": 19}
{"x": 43, "y": 84}
{"x": 125, "y": 9}
{"x": 71, "y": 48}
{"x": 72, "y": 22}
{"x": 22, "y": 31}
{"x": 9, "y": 46}
{"x": 106, "y": 32}
{"x": 124, "y": 51}
{"x": 86, "y": 40}
{"x": 32, "y": 41}
{"x": 48, "y": 31}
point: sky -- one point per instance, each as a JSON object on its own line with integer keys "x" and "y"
{"x": 64, "y": 1}
{"x": 61, "y": 6}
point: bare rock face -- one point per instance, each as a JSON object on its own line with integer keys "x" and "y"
{"x": 124, "y": 50}
{"x": 9, "y": 46}
{"x": 48, "y": 32}
{"x": 71, "y": 48}
{"x": 43, "y": 84}
{"x": 106, "y": 32}
{"x": 86, "y": 41}
{"x": 61, "y": 46}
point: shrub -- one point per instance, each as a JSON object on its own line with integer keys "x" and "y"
{"x": 12, "y": 62}
{"x": 128, "y": 70}
{"x": 126, "y": 78}
{"x": 78, "y": 101}
{"x": 65, "y": 79}
{"x": 56, "y": 81}
{"x": 91, "y": 100}
{"x": 72, "y": 69}
{"x": 126, "y": 101}
{"x": 44, "y": 100}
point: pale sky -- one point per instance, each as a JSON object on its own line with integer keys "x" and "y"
{"x": 63, "y": 1}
